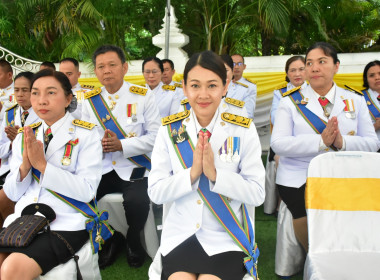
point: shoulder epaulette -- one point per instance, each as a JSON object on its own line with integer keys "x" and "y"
{"x": 291, "y": 91}
{"x": 249, "y": 80}
{"x": 235, "y": 119}
{"x": 354, "y": 90}
{"x": 83, "y": 124}
{"x": 235, "y": 102}
{"x": 33, "y": 126}
{"x": 185, "y": 101}
{"x": 138, "y": 90}
{"x": 244, "y": 85}
{"x": 175, "y": 117}
{"x": 178, "y": 85}
{"x": 92, "y": 93}
{"x": 10, "y": 108}
{"x": 283, "y": 85}
{"x": 168, "y": 87}
{"x": 87, "y": 86}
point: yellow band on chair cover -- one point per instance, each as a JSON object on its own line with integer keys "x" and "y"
{"x": 343, "y": 194}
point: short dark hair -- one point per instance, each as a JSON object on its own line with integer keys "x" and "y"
{"x": 208, "y": 60}
{"x": 228, "y": 60}
{"x": 366, "y": 68}
{"x": 48, "y": 64}
{"x": 238, "y": 55}
{"x": 109, "y": 48}
{"x": 290, "y": 61}
{"x": 6, "y": 66}
{"x": 27, "y": 75}
{"x": 327, "y": 49}
{"x": 72, "y": 60}
{"x": 166, "y": 60}
{"x": 155, "y": 59}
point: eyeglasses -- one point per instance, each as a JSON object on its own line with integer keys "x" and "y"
{"x": 154, "y": 72}
{"x": 238, "y": 64}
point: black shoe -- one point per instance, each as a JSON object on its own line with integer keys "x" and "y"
{"x": 135, "y": 258}
{"x": 110, "y": 250}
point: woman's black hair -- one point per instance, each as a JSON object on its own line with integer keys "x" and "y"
{"x": 290, "y": 61}
{"x": 63, "y": 80}
{"x": 366, "y": 68}
{"x": 208, "y": 60}
{"x": 155, "y": 59}
{"x": 27, "y": 75}
{"x": 228, "y": 60}
{"x": 327, "y": 49}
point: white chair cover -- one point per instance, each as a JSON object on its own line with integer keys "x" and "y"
{"x": 290, "y": 256}
{"x": 271, "y": 195}
{"x": 113, "y": 203}
{"x": 342, "y": 203}
{"x": 88, "y": 264}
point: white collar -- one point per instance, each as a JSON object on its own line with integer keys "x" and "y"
{"x": 330, "y": 95}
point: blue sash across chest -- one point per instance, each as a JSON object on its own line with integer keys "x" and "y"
{"x": 11, "y": 115}
{"x": 373, "y": 109}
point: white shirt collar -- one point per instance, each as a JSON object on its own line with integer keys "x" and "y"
{"x": 57, "y": 125}
{"x": 210, "y": 126}
{"x": 330, "y": 95}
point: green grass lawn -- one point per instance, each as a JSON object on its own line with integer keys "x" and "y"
{"x": 265, "y": 238}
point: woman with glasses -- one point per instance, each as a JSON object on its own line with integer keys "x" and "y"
{"x": 167, "y": 100}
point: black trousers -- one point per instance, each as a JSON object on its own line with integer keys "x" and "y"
{"x": 135, "y": 202}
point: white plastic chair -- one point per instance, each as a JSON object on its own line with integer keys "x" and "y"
{"x": 290, "y": 256}
{"x": 88, "y": 265}
{"x": 113, "y": 203}
{"x": 343, "y": 209}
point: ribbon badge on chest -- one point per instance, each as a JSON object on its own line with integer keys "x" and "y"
{"x": 349, "y": 109}
{"x": 230, "y": 150}
{"x": 66, "y": 160}
{"x": 131, "y": 113}
{"x": 179, "y": 135}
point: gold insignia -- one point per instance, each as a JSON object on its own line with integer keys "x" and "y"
{"x": 187, "y": 120}
{"x": 291, "y": 91}
{"x": 222, "y": 123}
{"x": 352, "y": 133}
{"x": 239, "y": 83}
{"x": 138, "y": 90}
{"x": 71, "y": 129}
{"x": 83, "y": 124}
{"x": 92, "y": 93}
{"x": 185, "y": 101}
{"x": 33, "y": 126}
{"x": 368, "y": 103}
{"x": 10, "y": 108}
{"x": 304, "y": 102}
{"x": 104, "y": 120}
{"x": 168, "y": 87}
{"x": 354, "y": 90}
{"x": 283, "y": 85}
{"x": 116, "y": 96}
{"x": 178, "y": 85}
{"x": 108, "y": 117}
{"x": 235, "y": 119}
{"x": 87, "y": 86}
{"x": 175, "y": 117}
{"x": 224, "y": 105}
{"x": 235, "y": 102}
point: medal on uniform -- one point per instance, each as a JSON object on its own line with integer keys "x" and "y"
{"x": 180, "y": 135}
{"x": 129, "y": 113}
{"x": 222, "y": 152}
{"x": 134, "y": 112}
{"x": 349, "y": 109}
{"x": 236, "y": 149}
{"x": 229, "y": 149}
{"x": 66, "y": 160}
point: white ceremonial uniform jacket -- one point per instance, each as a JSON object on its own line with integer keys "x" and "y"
{"x": 78, "y": 180}
{"x": 374, "y": 96}
{"x": 241, "y": 181}
{"x": 178, "y": 89}
{"x": 5, "y": 94}
{"x": 297, "y": 143}
{"x": 5, "y": 142}
{"x": 167, "y": 100}
{"x": 79, "y": 91}
{"x": 144, "y": 129}
{"x": 277, "y": 96}
{"x": 245, "y": 91}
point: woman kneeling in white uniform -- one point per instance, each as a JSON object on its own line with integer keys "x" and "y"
{"x": 223, "y": 171}
{"x": 42, "y": 170}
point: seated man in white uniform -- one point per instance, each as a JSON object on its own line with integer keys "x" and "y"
{"x": 167, "y": 77}
{"x": 6, "y": 87}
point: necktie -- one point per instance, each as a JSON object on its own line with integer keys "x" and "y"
{"x": 378, "y": 97}
{"x": 24, "y": 116}
{"x": 47, "y": 137}
{"x": 324, "y": 101}
{"x": 208, "y": 133}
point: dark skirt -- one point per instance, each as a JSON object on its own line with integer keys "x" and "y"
{"x": 190, "y": 257}
{"x": 49, "y": 251}
{"x": 294, "y": 198}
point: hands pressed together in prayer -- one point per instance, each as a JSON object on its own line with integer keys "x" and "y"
{"x": 331, "y": 134}
{"x": 11, "y": 132}
{"x": 33, "y": 154}
{"x": 110, "y": 142}
{"x": 203, "y": 160}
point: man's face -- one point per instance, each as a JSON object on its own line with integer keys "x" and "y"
{"x": 110, "y": 70}
{"x": 168, "y": 73}
{"x": 68, "y": 68}
{"x": 5, "y": 78}
{"x": 239, "y": 66}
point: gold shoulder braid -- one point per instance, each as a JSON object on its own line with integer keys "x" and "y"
{"x": 235, "y": 102}
{"x": 185, "y": 101}
{"x": 33, "y": 126}
{"x": 251, "y": 81}
{"x": 138, "y": 90}
{"x": 175, "y": 117}
{"x": 281, "y": 86}
{"x": 10, "y": 108}
{"x": 87, "y": 86}
{"x": 92, "y": 93}
{"x": 354, "y": 90}
{"x": 168, "y": 87}
{"x": 83, "y": 124}
{"x": 244, "y": 85}
{"x": 178, "y": 85}
{"x": 290, "y": 91}
{"x": 235, "y": 119}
